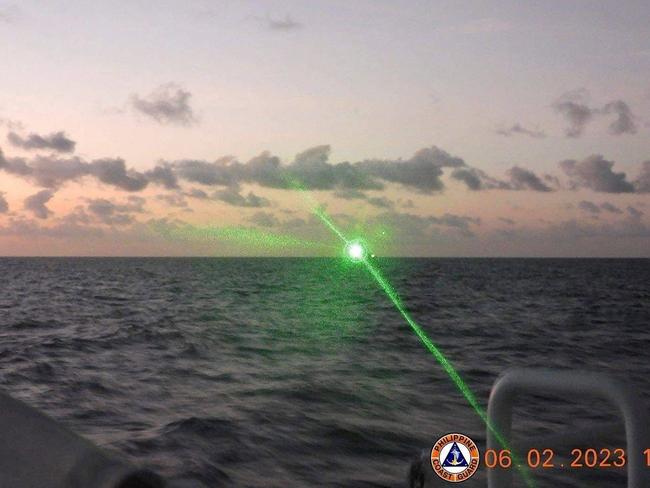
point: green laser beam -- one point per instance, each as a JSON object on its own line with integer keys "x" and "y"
{"x": 242, "y": 235}
{"x": 426, "y": 341}
{"x": 357, "y": 252}
{"x": 397, "y": 302}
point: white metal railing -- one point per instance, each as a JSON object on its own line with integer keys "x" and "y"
{"x": 573, "y": 386}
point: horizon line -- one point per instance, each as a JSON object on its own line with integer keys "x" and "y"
{"x": 199, "y": 256}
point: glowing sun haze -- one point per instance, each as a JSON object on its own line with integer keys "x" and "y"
{"x": 450, "y": 128}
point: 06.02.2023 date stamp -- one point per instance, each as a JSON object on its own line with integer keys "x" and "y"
{"x": 589, "y": 458}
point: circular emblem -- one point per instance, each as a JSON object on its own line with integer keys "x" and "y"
{"x": 455, "y": 457}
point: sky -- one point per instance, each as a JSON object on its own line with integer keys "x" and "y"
{"x": 447, "y": 128}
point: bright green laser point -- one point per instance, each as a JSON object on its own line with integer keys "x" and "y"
{"x": 355, "y": 251}
{"x": 394, "y": 297}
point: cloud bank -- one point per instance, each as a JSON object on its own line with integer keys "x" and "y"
{"x": 56, "y": 141}
{"x": 53, "y": 172}
{"x": 312, "y": 170}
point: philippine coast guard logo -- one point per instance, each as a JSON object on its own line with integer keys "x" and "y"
{"x": 454, "y": 457}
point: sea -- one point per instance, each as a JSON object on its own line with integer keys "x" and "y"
{"x": 300, "y": 372}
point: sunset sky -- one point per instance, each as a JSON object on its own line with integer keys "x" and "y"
{"x": 446, "y": 128}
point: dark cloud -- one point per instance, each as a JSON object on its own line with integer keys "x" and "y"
{"x": 461, "y": 222}
{"x": 56, "y": 141}
{"x": 634, "y": 213}
{"x": 608, "y": 207}
{"x": 642, "y": 183}
{"x": 596, "y": 173}
{"x": 518, "y": 129}
{"x": 135, "y": 204}
{"x": 232, "y": 196}
{"x": 350, "y": 194}
{"x": 163, "y": 174}
{"x": 520, "y": 179}
{"x": 114, "y": 172}
{"x": 264, "y": 219}
{"x": 573, "y": 107}
{"x": 206, "y": 173}
{"x": 353, "y": 194}
{"x": 79, "y": 216}
{"x": 589, "y": 207}
{"x": 311, "y": 169}
{"x": 523, "y": 179}
{"x": 15, "y": 166}
{"x": 36, "y": 204}
{"x": 108, "y": 213}
{"x": 313, "y": 157}
{"x": 624, "y": 122}
{"x": 4, "y": 206}
{"x": 264, "y": 169}
{"x": 101, "y": 206}
{"x": 381, "y": 202}
{"x": 472, "y": 177}
{"x": 197, "y": 193}
{"x": 53, "y": 172}
{"x": 552, "y": 181}
{"x": 422, "y": 171}
{"x": 168, "y": 104}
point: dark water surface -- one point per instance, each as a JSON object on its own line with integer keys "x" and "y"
{"x": 299, "y": 372}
